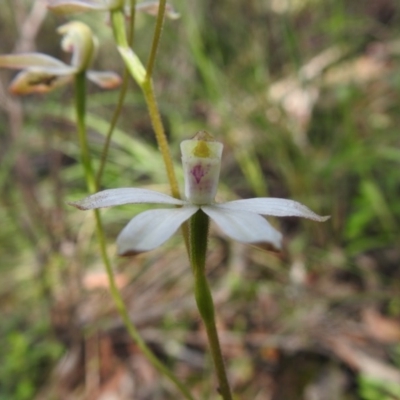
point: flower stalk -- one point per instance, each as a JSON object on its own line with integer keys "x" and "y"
{"x": 199, "y": 223}
{"x": 120, "y": 102}
{"x": 156, "y": 39}
{"x": 159, "y": 131}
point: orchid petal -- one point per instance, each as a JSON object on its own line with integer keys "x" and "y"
{"x": 151, "y": 229}
{"x": 75, "y": 6}
{"x": 106, "y": 79}
{"x": 31, "y": 81}
{"x": 244, "y": 226}
{"x": 151, "y": 7}
{"x": 274, "y": 207}
{"x": 117, "y": 197}
{"x": 28, "y": 60}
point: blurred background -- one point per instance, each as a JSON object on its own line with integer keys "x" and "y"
{"x": 305, "y": 96}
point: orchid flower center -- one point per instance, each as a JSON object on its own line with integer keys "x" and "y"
{"x": 201, "y": 160}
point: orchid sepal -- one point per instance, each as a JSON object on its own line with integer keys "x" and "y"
{"x": 31, "y": 60}
{"x": 41, "y": 73}
{"x": 66, "y": 7}
{"x": 275, "y": 207}
{"x": 38, "y": 81}
{"x": 244, "y": 226}
{"x": 150, "y": 229}
{"x": 151, "y": 7}
{"x": 121, "y": 196}
{"x": 104, "y": 79}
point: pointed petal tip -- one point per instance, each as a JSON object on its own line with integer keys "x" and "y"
{"x": 274, "y": 244}
{"x": 105, "y": 79}
{"x": 129, "y": 252}
{"x": 77, "y": 204}
{"x": 268, "y": 246}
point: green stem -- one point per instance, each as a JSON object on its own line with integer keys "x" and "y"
{"x": 118, "y": 26}
{"x": 162, "y": 141}
{"x": 113, "y": 123}
{"x": 131, "y": 28}
{"x": 80, "y": 106}
{"x": 121, "y": 99}
{"x": 198, "y": 249}
{"x": 80, "y": 101}
{"x": 156, "y": 39}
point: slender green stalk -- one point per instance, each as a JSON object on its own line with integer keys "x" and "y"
{"x": 113, "y": 123}
{"x": 162, "y": 141}
{"x": 198, "y": 248}
{"x": 80, "y": 101}
{"x": 120, "y": 102}
{"x": 118, "y": 26}
{"x": 148, "y": 91}
{"x": 156, "y": 38}
{"x": 80, "y": 107}
{"x": 131, "y": 27}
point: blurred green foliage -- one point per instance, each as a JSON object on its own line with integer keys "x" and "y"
{"x": 28, "y": 352}
{"x": 374, "y": 389}
{"x": 378, "y": 389}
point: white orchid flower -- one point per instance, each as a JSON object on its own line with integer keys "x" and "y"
{"x": 42, "y": 73}
{"x": 240, "y": 219}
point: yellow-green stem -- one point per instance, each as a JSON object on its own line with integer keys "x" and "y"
{"x": 80, "y": 102}
{"x": 80, "y": 107}
{"x": 198, "y": 249}
{"x": 113, "y": 123}
{"x": 162, "y": 142}
{"x": 156, "y": 38}
{"x": 131, "y": 28}
{"x": 121, "y": 99}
